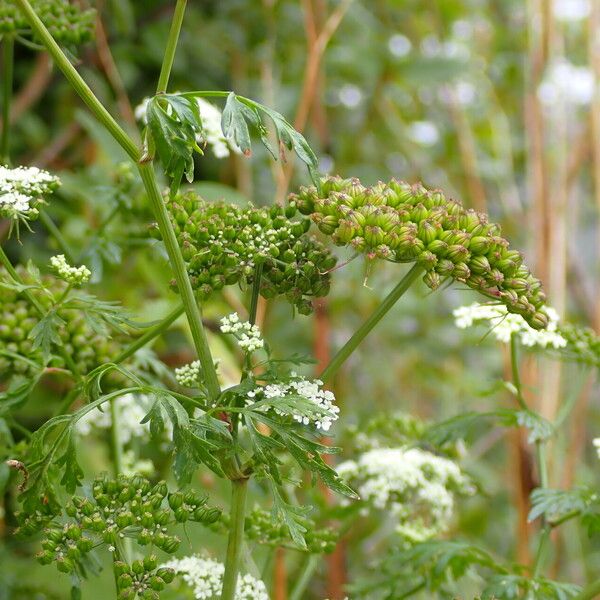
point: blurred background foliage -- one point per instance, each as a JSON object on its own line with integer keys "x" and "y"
{"x": 495, "y": 102}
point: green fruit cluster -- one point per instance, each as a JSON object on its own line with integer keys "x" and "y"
{"x": 222, "y": 244}
{"x": 128, "y": 505}
{"x": 400, "y": 222}
{"x": 18, "y": 319}
{"x": 141, "y": 579}
{"x": 67, "y": 21}
{"x": 260, "y": 527}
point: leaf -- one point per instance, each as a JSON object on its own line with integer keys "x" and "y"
{"x": 508, "y": 587}
{"x": 539, "y": 428}
{"x": 233, "y": 124}
{"x": 73, "y": 473}
{"x": 45, "y": 333}
{"x": 554, "y": 504}
{"x": 18, "y": 392}
{"x": 292, "y": 516}
{"x": 173, "y": 124}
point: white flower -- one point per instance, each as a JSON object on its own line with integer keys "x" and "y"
{"x": 596, "y": 443}
{"x": 399, "y": 45}
{"x": 73, "y": 275}
{"x": 212, "y": 133}
{"x": 415, "y": 485}
{"x": 22, "y": 190}
{"x": 132, "y": 410}
{"x": 350, "y": 95}
{"x": 323, "y": 400}
{"x": 424, "y": 133}
{"x": 567, "y": 82}
{"x": 188, "y": 375}
{"x": 571, "y": 10}
{"x": 205, "y": 577}
{"x": 503, "y": 324}
{"x": 247, "y": 335}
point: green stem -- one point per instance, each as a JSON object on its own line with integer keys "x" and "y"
{"x": 58, "y": 236}
{"x": 183, "y": 281}
{"x": 149, "y": 179}
{"x": 8, "y": 55}
{"x": 359, "y": 335}
{"x": 303, "y": 578}
{"x": 590, "y": 592}
{"x": 150, "y": 334}
{"x": 115, "y": 438}
{"x": 76, "y": 81}
{"x": 544, "y": 540}
{"x": 169, "y": 56}
{"x": 239, "y": 491}
{"x": 255, "y": 293}
{"x": 514, "y": 363}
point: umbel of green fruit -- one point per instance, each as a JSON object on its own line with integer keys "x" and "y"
{"x": 223, "y": 244}
{"x": 68, "y": 22}
{"x": 400, "y": 222}
{"x": 18, "y": 318}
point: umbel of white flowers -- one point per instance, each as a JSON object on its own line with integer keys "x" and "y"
{"x": 22, "y": 190}
{"x": 205, "y": 577}
{"x": 416, "y": 486}
{"x": 76, "y": 276}
{"x": 247, "y": 335}
{"x": 325, "y": 413}
{"x": 212, "y": 134}
{"x": 503, "y": 324}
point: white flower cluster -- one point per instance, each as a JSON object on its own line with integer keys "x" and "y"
{"x": 21, "y": 189}
{"x": 416, "y": 486}
{"x": 211, "y": 134}
{"x": 324, "y": 400}
{"x": 205, "y": 577}
{"x": 247, "y": 335}
{"x": 73, "y": 275}
{"x": 504, "y": 324}
{"x": 188, "y": 375}
{"x": 132, "y": 409}
{"x": 568, "y": 83}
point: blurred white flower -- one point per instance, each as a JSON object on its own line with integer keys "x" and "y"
{"x": 503, "y": 324}
{"x": 205, "y": 577}
{"x": 73, "y": 275}
{"x": 415, "y": 485}
{"x": 596, "y": 444}
{"x": 399, "y": 45}
{"x": 350, "y": 95}
{"x": 566, "y": 82}
{"x": 424, "y": 133}
{"x": 132, "y": 409}
{"x": 571, "y": 10}
{"x": 247, "y": 335}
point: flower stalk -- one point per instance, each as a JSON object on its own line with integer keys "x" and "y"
{"x": 361, "y": 333}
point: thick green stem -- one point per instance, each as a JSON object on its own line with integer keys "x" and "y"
{"x": 181, "y": 277}
{"x": 150, "y": 334}
{"x": 303, "y": 579}
{"x": 169, "y": 56}
{"x": 239, "y": 491}
{"x": 8, "y": 54}
{"x": 338, "y": 360}
{"x": 589, "y": 592}
{"x": 149, "y": 179}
